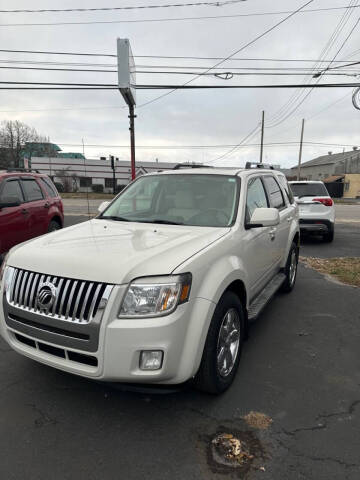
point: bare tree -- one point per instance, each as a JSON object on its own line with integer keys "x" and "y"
{"x": 13, "y": 138}
{"x": 68, "y": 179}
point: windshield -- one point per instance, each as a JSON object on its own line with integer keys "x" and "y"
{"x": 180, "y": 199}
{"x": 308, "y": 189}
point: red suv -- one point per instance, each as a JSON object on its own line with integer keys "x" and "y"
{"x": 29, "y": 206}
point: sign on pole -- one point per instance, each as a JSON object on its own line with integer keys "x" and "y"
{"x": 126, "y": 71}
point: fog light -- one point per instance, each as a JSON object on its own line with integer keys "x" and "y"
{"x": 151, "y": 359}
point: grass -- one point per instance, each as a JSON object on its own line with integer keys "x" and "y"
{"x": 92, "y": 195}
{"x": 344, "y": 269}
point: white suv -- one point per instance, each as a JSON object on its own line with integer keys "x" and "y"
{"x": 316, "y": 208}
{"x": 161, "y": 286}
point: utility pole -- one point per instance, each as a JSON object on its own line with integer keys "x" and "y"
{"x": 132, "y": 117}
{"x": 301, "y": 146}
{"x": 262, "y": 136}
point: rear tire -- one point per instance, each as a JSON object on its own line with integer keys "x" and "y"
{"x": 53, "y": 226}
{"x": 329, "y": 236}
{"x": 223, "y": 346}
{"x": 291, "y": 269}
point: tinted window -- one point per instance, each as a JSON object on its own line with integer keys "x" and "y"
{"x": 256, "y": 197}
{"x": 185, "y": 199}
{"x": 50, "y": 189}
{"x": 276, "y": 198}
{"x": 302, "y": 189}
{"x": 32, "y": 190}
{"x": 283, "y": 182}
{"x": 12, "y": 189}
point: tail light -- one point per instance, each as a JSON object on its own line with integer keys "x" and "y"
{"x": 325, "y": 201}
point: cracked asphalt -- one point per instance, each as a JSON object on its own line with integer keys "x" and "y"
{"x": 300, "y": 366}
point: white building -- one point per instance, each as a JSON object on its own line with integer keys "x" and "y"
{"x": 77, "y": 174}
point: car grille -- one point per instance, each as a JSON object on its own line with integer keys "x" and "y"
{"x": 76, "y": 300}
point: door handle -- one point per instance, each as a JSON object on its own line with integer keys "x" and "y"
{"x": 46, "y": 205}
{"x": 24, "y": 211}
{"x": 272, "y": 233}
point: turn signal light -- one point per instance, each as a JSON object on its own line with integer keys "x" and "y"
{"x": 325, "y": 201}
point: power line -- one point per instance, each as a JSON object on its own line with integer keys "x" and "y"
{"x": 150, "y": 20}
{"x": 251, "y": 59}
{"x": 148, "y": 66}
{"x": 217, "y": 75}
{"x": 254, "y": 40}
{"x": 195, "y": 147}
{"x": 135, "y": 7}
{"x": 295, "y": 101}
{"x": 89, "y": 86}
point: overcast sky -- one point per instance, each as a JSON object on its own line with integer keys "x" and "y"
{"x": 206, "y": 117}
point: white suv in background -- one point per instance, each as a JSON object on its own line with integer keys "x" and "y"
{"x": 316, "y": 208}
{"x": 161, "y": 286}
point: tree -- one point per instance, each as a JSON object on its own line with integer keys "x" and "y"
{"x": 14, "y": 136}
{"x": 68, "y": 179}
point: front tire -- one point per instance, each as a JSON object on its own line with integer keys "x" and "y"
{"x": 223, "y": 346}
{"x": 291, "y": 269}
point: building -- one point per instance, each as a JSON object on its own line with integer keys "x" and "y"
{"x": 323, "y": 167}
{"x": 339, "y": 171}
{"x": 81, "y": 175}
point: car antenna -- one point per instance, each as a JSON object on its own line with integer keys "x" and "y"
{"x": 87, "y": 188}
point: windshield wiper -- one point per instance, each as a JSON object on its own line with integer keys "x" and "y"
{"x": 115, "y": 217}
{"x": 163, "y": 222}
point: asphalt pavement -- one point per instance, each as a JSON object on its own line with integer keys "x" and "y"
{"x": 300, "y": 366}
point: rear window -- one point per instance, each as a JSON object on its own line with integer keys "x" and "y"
{"x": 308, "y": 189}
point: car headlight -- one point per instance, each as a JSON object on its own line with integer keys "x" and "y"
{"x": 155, "y": 296}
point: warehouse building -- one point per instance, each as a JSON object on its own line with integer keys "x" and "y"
{"x": 81, "y": 175}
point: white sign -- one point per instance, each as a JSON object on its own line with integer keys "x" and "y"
{"x": 126, "y": 71}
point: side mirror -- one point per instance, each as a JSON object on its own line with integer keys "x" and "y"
{"x": 264, "y": 217}
{"x": 103, "y": 206}
{"x": 12, "y": 201}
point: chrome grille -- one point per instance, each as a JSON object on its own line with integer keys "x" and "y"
{"x": 76, "y": 300}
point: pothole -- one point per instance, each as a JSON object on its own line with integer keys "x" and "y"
{"x": 235, "y": 451}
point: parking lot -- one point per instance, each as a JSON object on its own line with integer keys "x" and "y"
{"x": 300, "y": 366}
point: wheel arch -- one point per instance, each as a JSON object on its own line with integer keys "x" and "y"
{"x": 57, "y": 219}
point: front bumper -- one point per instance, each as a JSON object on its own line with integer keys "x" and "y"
{"x": 180, "y": 335}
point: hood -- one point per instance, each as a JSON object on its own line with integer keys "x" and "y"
{"x": 113, "y": 252}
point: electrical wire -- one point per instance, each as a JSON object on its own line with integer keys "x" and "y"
{"x": 298, "y": 98}
{"x": 242, "y": 48}
{"x": 154, "y": 67}
{"x": 171, "y": 57}
{"x": 151, "y": 20}
{"x": 134, "y": 7}
{"x": 219, "y": 75}
{"x": 87, "y": 86}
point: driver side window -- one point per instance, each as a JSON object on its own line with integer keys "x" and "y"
{"x": 256, "y": 197}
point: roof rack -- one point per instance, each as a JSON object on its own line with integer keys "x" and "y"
{"x": 22, "y": 170}
{"x": 179, "y": 166}
{"x": 251, "y": 165}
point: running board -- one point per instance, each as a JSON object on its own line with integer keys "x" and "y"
{"x": 265, "y": 295}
